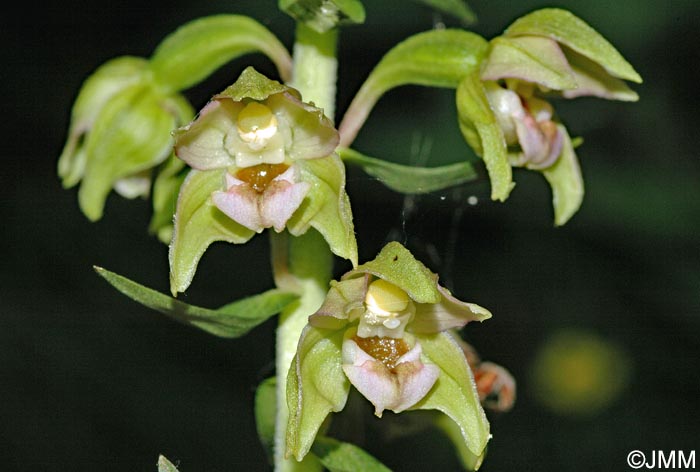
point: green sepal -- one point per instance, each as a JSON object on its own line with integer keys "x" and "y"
{"x": 316, "y": 386}
{"x": 456, "y": 8}
{"x": 324, "y": 15}
{"x": 593, "y": 80}
{"x": 410, "y": 179}
{"x": 454, "y": 393}
{"x": 396, "y": 264}
{"x": 469, "y": 460}
{"x": 338, "y": 456}
{"x": 566, "y": 181}
{"x": 327, "y": 206}
{"x": 166, "y": 187}
{"x": 109, "y": 79}
{"x": 198, "y": 223}
{"x": 251, "y": 84}
{"x": 265, "y": 411}
{"x": 436, "y": 58}
{"x": 164, "y": 465}
{"x": 529, "y": 58}
{"x": 571, "y": 31}
{"x": 198, "y": 48}
{"x": 483, "y": 133}
{"x": 131, "y": 134}
{"x": 230, "y": 321}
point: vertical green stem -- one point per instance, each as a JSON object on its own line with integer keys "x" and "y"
{"x": 303, "y": 264}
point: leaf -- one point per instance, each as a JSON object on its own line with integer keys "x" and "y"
{"x": 455, "y": 393}
{"x": 337, "y": 456}
{"x": 198, "y": 48}
{"x": 327, "y": 206}
{"x": 131, "y": 134}
{"x": 566, "y": 28}
{"x": 164, "y": 465}
{"x": 265, "y": 411}
{"x": 436, "y": 58}
{"x": 396, "y": 264}
{"x": 229, "y": 321}
{"x": 324, "y": 15}
{"x": 481, "y": 129}
{"x": 316, "y": 386}
{"x": 198, "y": 223}
{"x": 566, "y": 181}
{"x": 410, "y": 179}
{"x": 457, "y": 8}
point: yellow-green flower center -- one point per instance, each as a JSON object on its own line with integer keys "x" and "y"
{"x": 387, "y": 310}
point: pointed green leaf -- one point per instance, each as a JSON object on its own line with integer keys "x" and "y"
{"x": 265, "y": 411}
{"x": 198, "y": 48}
{"x": 566, "y": 28}
{"x": 324, "y": 15}
{"x": 327, "y": 206}
{"x": 337, "y": 456}
{"x": 457, "y": 8}
{"x": 437, "y": 58}
{"x": 229, "y": 321}
{"x": 316, "y": 386}
{"x": 455, "y": 393}
{"x": 566, "y": 181}
{"x": 164, "y": 465}
{"x": 109, "y": 79}
{"x": 198, "y": 223}
{"x": 409, "y": 179}
{"x": 529, "y": 58}
{"x": 396, "y": 264}
{"x": 481, "y": 130}
{"x": 131, "y": 134}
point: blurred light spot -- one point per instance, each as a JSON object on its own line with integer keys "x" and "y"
{"x": 579, "y": 373}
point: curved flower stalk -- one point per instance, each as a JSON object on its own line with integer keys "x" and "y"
{"x": 262, "y": 158}
{"x": 504, "y": 112}
{"x": 385, "y": 328}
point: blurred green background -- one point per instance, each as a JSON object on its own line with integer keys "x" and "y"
{"x": 598, "y": 320}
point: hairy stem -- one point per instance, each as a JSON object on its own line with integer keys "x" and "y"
{"x": 303, "y": 264}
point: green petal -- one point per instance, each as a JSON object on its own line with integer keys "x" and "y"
{"x": 327, "y": 206}
{"x": 198, "y": 223}
{"x": 593, "y": 80}
{"x": 265, "y": 411}
{"x": 166, "y": 188}
{"x": 566, "y": 28}
{"x": 457, "y": 8}
{"x": 324, "y": 15}
{"x": 109, "y": 79}
{"x": 254, "y": 85}
{"x": 337, "y": 456}
{"x": 342, "y": 297}
{"x": 164, "y": 465}
{"x": 455, "y": 393}
{"x": 230, "y": 321}
{"x": 410, "y": 179}
{"x": 195, "y": 50}
{"x": 469, "y": 460}
{"x": 481, "y": 130}
{"x": 131, "y": 134}
{"x": 437, "y": 58}
{"x": 529, "y": 58}
{"x": 316, "y": 386}
{"x": 397, "y": 265}
{"x": 566, "y": 181}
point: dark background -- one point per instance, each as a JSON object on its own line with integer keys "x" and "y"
{"x": 89, "y": 380}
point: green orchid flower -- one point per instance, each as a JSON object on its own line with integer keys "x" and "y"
{"x": 386, "y": 328}
{"x": 504, "y": 111}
